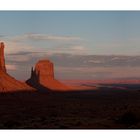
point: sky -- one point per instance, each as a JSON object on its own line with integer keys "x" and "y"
{"x": 81, "y": 44}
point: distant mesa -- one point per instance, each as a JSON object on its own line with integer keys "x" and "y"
{"x": 43, "y": 75}
{"x": 8, "y": 83}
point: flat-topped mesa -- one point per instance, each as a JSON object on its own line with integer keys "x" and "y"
{"x": 2, "y": 59}
{"x": 43, "y": 74}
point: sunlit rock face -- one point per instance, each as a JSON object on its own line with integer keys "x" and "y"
{"x": 43, "y": 75}
{"x": 7, "y": 82}
{"x": 44, "y": 69}
{"x": 2, "y": 60}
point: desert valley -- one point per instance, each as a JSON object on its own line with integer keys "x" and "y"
{"x": 42, "y": 102}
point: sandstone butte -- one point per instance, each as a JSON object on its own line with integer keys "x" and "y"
{"x": 7, "y": 82}
{"x": 43, "y": 74}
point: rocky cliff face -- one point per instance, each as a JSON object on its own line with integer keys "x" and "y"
{"x": 43, "y": 70}
{"x": 7, "y": 82}
{"x": 43, "y": 75}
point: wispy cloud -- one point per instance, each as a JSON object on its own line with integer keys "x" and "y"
{"x": 1, "y": 36}
{"x": 97, "y": 72}
{"x": 15, "y": 47}
{"x": 73, "y": 49}
{"x": 42, "y": 42}
{"x": 11, "y": 67}
{"x": 71, "y": 60}
{"x": 71, "y": 66}
{"x": 43, "y": 37}
{"x": 19, "y": 58}
{"x": 35, "y": 42}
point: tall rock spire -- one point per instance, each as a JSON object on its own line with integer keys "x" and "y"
{"x": 2, "y": 60}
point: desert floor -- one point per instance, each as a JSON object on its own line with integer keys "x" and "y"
{"x": 92, "y": 109}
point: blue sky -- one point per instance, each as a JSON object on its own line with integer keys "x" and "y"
{"x": 47, "y": 33}
{"x": 100, "y": 31}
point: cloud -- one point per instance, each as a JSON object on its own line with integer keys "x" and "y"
{"x": 22, "y": 53}
{"x": 95, "y": 61}
{"x": 11, "y": 67}
{"x": 73, "y": 49}
{"x": 71, "y": 60}
{"x": 72, "y": 66}
{"x": 97, "y": 72}
{"x": 12, "y": 47}
{"x": 1, "y": 36}
{"x": 85, "y": 60}
{"x": 34, "y": 43}
{"x": 28, "y": 48}
{"x": 18, "y": 58}
{"x": 45, "y": 37}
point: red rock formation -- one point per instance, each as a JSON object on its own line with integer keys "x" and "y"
{"x": 43, "y": 75}
{"x": 2, "y": 60}
{"x": 8, "y": 83}
{"x": 44, "y": 68}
